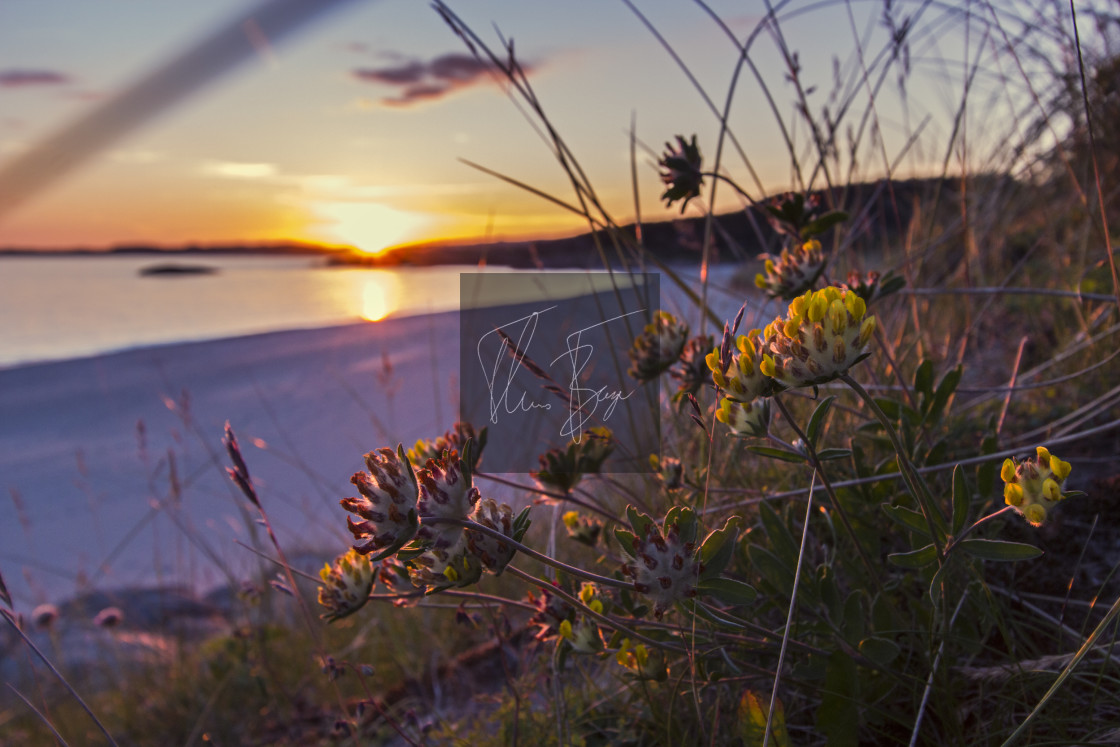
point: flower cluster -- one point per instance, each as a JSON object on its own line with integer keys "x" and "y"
{"x": 387, "y": 505}
{"x": 692, "y": 371}
{"x": 667, "y": 563}
{"x": 743, "y": 380}
{"x": 346, "y": 585}
{"x": 582, "y": 529}
{"x": 680, "y": 171}
{"x": 583, "y": 635}
{"x": 873, "y": 286}
{"x": 562, "y": 469}
{"x": 823, "y": 335}
{"x": 657, "y": 347}
{"x": 445, "y": 493}
{"x": 434, "y": 518}
{"x": 1034, "y": 486}
{"x": 641, "y": 661}
{"x": 453, "y": 440}
{"x": 792, "y": 272}
{"x": 665, "y": 566}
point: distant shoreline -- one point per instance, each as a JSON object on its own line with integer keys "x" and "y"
{"x": 882, "y": 207}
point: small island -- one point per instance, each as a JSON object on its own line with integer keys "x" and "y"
{"x": 170, "y": 269}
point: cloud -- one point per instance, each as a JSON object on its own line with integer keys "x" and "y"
{"x": 427, "y": 81}
{"x": 234, "y": 170}
{"x": 26, "y": 78}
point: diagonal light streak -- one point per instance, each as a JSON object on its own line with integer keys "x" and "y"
{"x": 203, "y": 62}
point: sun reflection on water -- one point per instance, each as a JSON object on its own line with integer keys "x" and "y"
{"x": 379, "y": 294}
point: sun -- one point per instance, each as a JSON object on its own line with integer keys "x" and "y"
{"x": 370, "y": 227}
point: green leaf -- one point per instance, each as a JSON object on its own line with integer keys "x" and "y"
{"x": 826, "y": 455}
{"x": 838, "y": 715}
{"x": 521, "y": 524}
{"x": 854, "y": 626}
{"x": 923, "y": 378}
{"x": 816, "y": 422}
{"x": 944, "y": 391}
{"x": 782, "y": 542}
{"x": 728, "y": 590}
{"x": 783, "y": 454}
{"x": 1002, "y": 550}
{"x": 986, "y": 472}
{"x": 639, "y": 522}
{"x": 685, "y": 520}
{"x": 915, "y": 558}
{"x": 753, "y": 713}
{"x": 879, "y": 650}
{"x": 961, "y": 500}
{"x": 626, "y": 541}
{"x": 891, "y": 408}
{"x": 718, "y": 547}
{"x": 465, "y": 461}
{"x": 908, "y": 517}
{"x": 772, "y": 570}
{"x": 823, "y": 223}
{"x": 411, "y": 470}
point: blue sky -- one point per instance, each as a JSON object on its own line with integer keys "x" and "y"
{"x": 352, "y": 129}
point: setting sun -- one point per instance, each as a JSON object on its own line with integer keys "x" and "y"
{"x": 370, "y": 227}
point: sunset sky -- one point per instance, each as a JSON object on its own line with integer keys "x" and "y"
{"x": 351, "y": 129}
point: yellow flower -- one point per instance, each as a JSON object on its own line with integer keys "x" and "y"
{"x": 1034, "y": 486}
{"x": 750, "y": 419}
{"x": 792, "y": 272}
{"x": 744, "y": 380}
{"x": 346, "y": 585}
{"x": 658, "y": 347}
{"x": 823, "y": 335}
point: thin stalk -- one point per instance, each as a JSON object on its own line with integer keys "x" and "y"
{"x": 818, "y": 469}
{"x": 525, "y": 550}
{"x": 1089, "y": 645}
{"x": 932, "y": 672}
{"x": 789, "y": 615}
{"x": 571, "y": 599}
{"x": 9, "y": 618}
{"x": 968, "y": 530}
{"x": 46, "y": 721}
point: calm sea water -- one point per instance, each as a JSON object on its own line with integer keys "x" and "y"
{"x": 54, "y": 308}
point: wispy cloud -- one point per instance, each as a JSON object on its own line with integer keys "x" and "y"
{"x": 420, "y": 81}
{"x": 235, "y": 170}
{"x": 28, "y": 78}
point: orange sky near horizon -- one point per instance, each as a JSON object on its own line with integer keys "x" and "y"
{"x": 354, "y": 130}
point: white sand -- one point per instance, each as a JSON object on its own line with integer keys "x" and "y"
{"x": 89, "y": 509}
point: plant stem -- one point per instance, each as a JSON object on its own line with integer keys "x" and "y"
{"x": 818, "y": 469}
{"x": 909, "y": 473}
{"x": 9, "y": 618}
{"x": 557, "y": 564}
{"x": 575, "y": 601}
{"x": 968, "y": 530}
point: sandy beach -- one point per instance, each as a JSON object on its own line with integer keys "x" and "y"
{"x": 112, "y": 466}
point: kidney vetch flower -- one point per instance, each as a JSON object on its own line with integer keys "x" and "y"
{"x": 1034, "y": 486}
{"x": 346, "y": 584}
{"x": 823, "y": 335}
